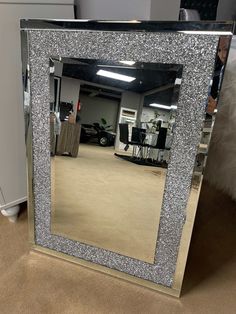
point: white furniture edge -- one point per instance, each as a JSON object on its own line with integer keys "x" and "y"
{"x": 11, "y": 210}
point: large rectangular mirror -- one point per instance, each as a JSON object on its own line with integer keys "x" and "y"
{"x": 112, "y": 125}
{"x": 119, "y": 118}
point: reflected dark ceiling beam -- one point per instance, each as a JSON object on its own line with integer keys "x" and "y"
{"x": 94, "y": 92}
{"x": 74, "y": 61}
{"x": 102, "y": 86}
{"x": 158, "y": 89}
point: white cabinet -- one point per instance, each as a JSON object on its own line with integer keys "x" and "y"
{"x": 12, "y": 157}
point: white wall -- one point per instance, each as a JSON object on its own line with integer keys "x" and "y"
{"x": 70, "y": 90}
{"x": 112, "y": 9}
{"x": 12, "y": 157}
{"x": 128, "y": 10}
{"x": 95, "y": 108}
{"x": 226, "y": 10}
{"x": 165, "y": 10}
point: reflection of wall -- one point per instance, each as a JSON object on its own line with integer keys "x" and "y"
{"x": 221, "y": 163}
{"x": 132, "y": 101}
{"x": 226, "y": 10}
{"x": 95, "y": 108}
{"x": 70, "y": 90}
{"x": 149, "y": 113}
{"x": 58, "y": 68}
{"x": 51, "y": 88}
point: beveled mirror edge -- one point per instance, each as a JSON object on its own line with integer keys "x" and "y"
{"x": 29, "y": 146}
{"x": 185, "y": 241}
{"x": 133, "y": 25}
{"x": 175, "y": 292}
{"x": 177, "y": 281}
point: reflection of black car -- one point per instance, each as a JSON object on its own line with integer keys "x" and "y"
{"x": 96, "y": 133}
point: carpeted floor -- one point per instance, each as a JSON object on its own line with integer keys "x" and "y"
{"x": 35, "y": 283}
{"x": 103, "y": 200}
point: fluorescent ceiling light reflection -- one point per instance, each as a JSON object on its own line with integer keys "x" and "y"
{"x": 122, "y": 21}
{"x": 66, "y": 20}
{"x": 52, "y": 69}
{"x": 128, "y": 62}
{"x": 178, "y": 81}
{"x": 163, "y": 106}
{"x": 134, "y": 21}
{"x": 116, "y": 76}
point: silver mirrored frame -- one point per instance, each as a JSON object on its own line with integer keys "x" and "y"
{"x": 196, "y": 52}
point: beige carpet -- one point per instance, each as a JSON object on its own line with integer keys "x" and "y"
{"x": 102, "y": 200}
{"x": 34, "y": 283}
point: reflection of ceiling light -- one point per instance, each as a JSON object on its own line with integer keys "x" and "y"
{"x": 116, "y": 76}
{"x": 122, "y": 21}
{"x": 71, "y": 20}
{"x": 163, "y": 106}
{"x": 206, "y": 32}
{"x": 134, "y": 21}
{"x": 52, "y": 69}
{"x": 178, "y": 81}
{"x": 128, "y": 62}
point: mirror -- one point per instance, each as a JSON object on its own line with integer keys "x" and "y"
{"x": 116, "y": 150}
{"x": 112, "y": 125}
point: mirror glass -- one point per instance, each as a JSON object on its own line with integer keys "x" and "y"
{"x": 112, "y": 125}
{"x": 211, "y": 109}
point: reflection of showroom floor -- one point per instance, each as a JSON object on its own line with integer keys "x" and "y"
{"x": 108, "y": 202}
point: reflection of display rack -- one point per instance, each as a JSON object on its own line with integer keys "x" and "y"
{"x": 128, "y": 116}
{"x": 129, "y": 113}
{"x": 201, "y": 157}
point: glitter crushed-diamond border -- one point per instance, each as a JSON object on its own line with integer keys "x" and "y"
{"x": 197, "y": 55}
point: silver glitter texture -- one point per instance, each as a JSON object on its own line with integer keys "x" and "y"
{"x": 197, "y": 54}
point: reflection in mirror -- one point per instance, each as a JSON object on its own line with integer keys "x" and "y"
{"x": 211, "y": 109}
{"x": 112, "y": 126}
